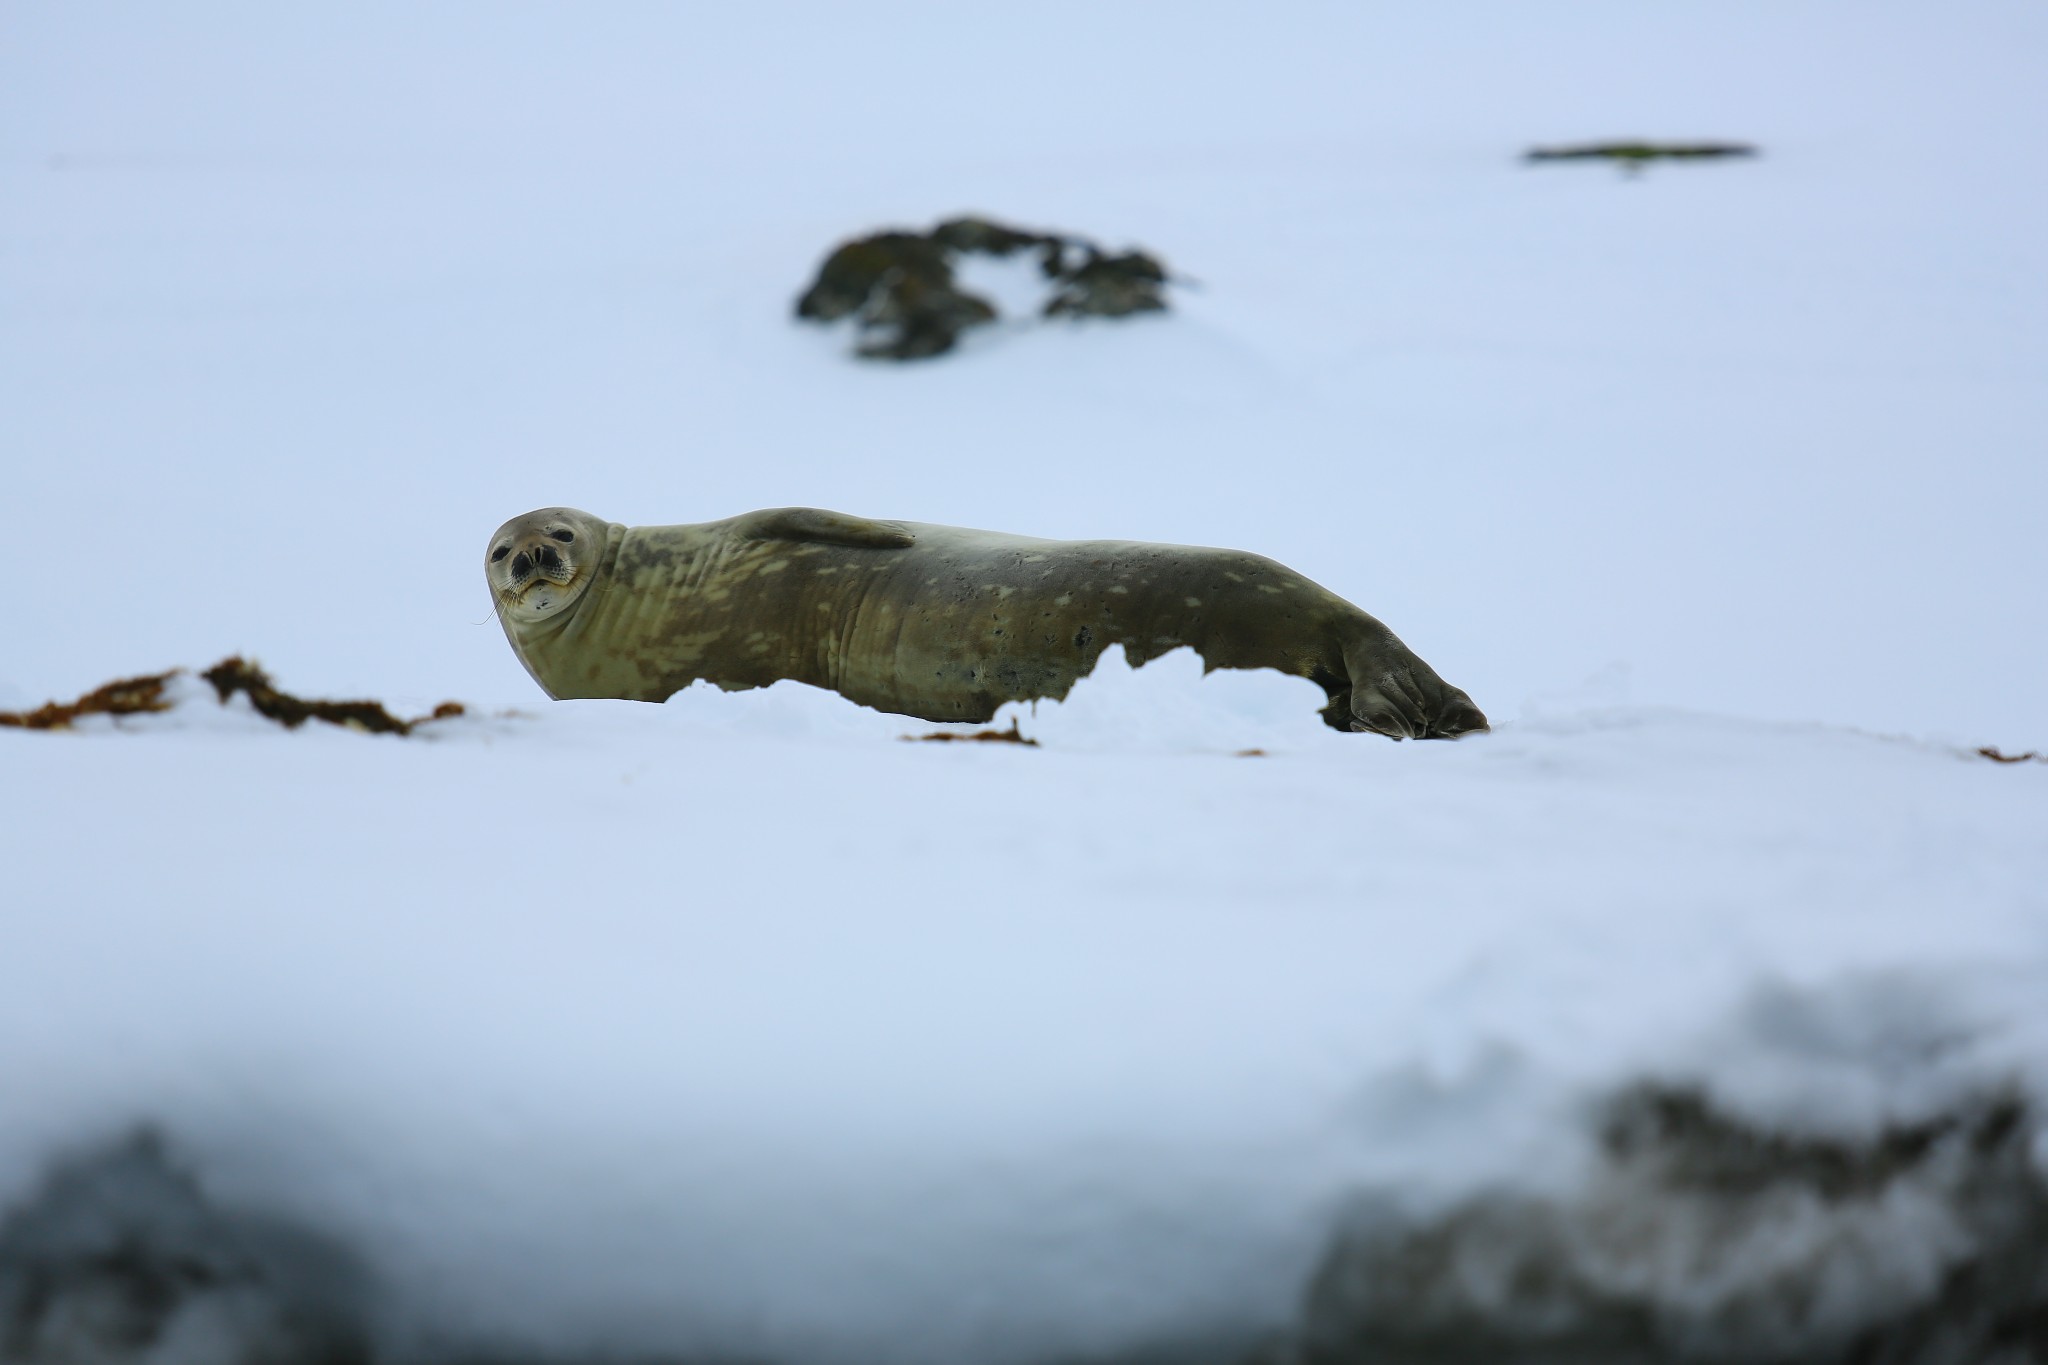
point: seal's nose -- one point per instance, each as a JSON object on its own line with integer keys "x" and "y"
{"x": 548, "y": 558}
{"x": 520, "y": 564}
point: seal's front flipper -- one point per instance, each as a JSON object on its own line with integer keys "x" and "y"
{"x": 825, "y": 528}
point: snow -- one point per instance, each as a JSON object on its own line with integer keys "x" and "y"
{"x": 740, "y": 1024}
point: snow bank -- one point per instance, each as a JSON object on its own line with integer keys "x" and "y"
{"x": 740, "y": 1026}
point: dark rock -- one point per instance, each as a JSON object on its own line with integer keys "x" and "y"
{"x": 1705, "y": 1238}
{"x": 1110, "y": 287}
{"x": 912, "y": 318}
{"x": 900, "y": 289}
{"x": 119, "y": 1258}
{"x": 1633, "y": 157}
{"x": 853, "y": 272}
{"x": 988, "y": 237}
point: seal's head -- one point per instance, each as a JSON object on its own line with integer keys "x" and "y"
{"x": 540, "y": 564}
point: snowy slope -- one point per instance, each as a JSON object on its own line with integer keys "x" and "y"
{"x": 740, "y": 1026}
{"x": 760, "y": 1029}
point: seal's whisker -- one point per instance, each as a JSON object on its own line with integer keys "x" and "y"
{"x": 500, "y": 598}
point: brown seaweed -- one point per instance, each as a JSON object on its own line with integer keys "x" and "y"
{"x": 237, "y": 674}
{"x": 122, "y": 697}
{"x": 1010, "y": 736}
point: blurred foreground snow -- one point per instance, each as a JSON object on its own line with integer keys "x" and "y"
{"x": 739, "y": 1027}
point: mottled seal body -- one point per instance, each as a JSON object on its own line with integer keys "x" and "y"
{"x": 939, "y": 622}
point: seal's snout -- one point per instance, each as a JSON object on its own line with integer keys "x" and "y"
{"x": 540, "y": 558}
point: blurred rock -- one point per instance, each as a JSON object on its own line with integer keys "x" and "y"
{"x": 1634, "y": 157}
{"x": 119, "y": 1258}
{"x": 856, "y": 269}
{"x": 900, "y": 289}
{"x": 1702, "y": 1238}
{"x": 1110, "y": 287}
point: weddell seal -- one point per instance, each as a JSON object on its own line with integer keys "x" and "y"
{"x": 932, "y": 621}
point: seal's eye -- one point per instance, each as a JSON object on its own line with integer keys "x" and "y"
{"x": 500, "y": 553}
{"x": 564, "y": 536}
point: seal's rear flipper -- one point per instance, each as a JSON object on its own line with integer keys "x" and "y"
{"x": 1458, "y": 716}
{"x": 1396, "y": 694}
{"x": 825, "y": 528}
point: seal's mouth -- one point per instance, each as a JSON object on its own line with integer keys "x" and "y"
{"x": 539, "y": 577}
{"x": 534, "y": 595}
{"x": 543, "y": 594}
